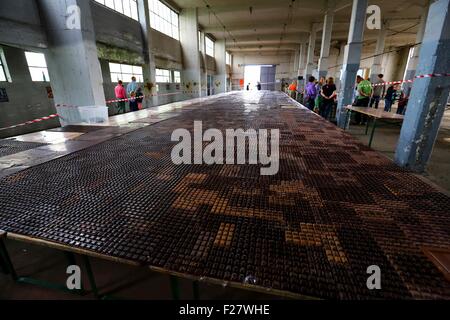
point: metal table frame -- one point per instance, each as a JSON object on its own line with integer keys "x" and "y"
{"x": 376, "y": 119}
{"x": 72, "y": 252}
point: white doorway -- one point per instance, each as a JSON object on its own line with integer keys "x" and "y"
{"x": 252, "y": 75}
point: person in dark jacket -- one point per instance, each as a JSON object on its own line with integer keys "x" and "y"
{"x": 389, "y": 99}
{"x": 133, "y": 102}
{"x": 139, "y": 97}
{"x": 328, "y": 93}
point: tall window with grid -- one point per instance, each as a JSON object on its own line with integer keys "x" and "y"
{"x": 125, "y": 7}
{"x": 125, "y": 72}
{"x": 162, "y": 76}
{"x": 164, "y": 19}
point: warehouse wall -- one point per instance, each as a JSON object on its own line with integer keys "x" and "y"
{"x": 118, "y": 37}
{"x": 27, "y": 100}
{"x": 282, "y": 62}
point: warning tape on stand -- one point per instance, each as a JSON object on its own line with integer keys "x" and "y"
{"x": 433, "y": 75}
{"x": 32, "y": 121}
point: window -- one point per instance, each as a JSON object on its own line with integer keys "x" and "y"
{"x": 162, "y": 75}
{"x": 209, "y": 47}
{"x": 37, "y": 66}
{"x": 125, "y": 7}
{"x": 164, "y": 19}
{"x": 228, "y": 58}
{"x": 2, "y": 71}
{"x": 176, "y": 77}
{"x": 124, "y": 72}
{"x": 200, "y": 42}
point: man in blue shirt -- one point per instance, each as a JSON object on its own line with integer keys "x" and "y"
{"x": 132, "y": 86}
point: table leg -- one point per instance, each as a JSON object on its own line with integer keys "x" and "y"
{"x": 367, "y": 125}
{"x": 91, "y": 277}
{"x": 6, "y": 259}
{"x": 373, "y": 132}
{"x": 348, "y": 116}
{"x": 175, "y": 287}
{"x": 196, "y": 290}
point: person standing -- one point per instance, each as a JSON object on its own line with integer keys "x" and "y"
{"x": 293, "y": 90}
{"x": 402, "y": 103}
{"x": 391, "y": 96}
{"x": 311, "y": 93}
{"x": 132, "y": 86}
{"x": 133, "y": 102}
{"x": 363, "y": 98}
{"x": 319, "y": 98}
{"x": 139, "y": 97}
{"x": 120, "y": 93}
{"x": 328, "y": 94}
{"x": 378, "y": 91}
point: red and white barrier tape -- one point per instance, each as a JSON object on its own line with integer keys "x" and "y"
{"x": 412, "y": 80}
{"x": 31, "y": 121}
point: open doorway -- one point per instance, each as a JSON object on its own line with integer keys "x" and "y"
{"x": 252, "y": 75}
{"x": 264, "y": 74}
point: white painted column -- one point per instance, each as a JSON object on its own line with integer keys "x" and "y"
{"x": 352, "y": 57}
{"x": 149, "y": 68}
{"x": 326, "y": 39}
{"x": 191, "y": 75}
{"x": 375, "y": 70}
{"x": 220, "y": 79}
{"x": 73, "y": 63}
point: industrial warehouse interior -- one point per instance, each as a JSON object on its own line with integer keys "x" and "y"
{"x": 242, "y": 150}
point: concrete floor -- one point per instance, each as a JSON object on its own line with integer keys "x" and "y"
{"x": 385, "y": 141}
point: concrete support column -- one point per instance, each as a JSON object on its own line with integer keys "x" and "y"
{"x": 302, "y": 60}
{"x": 204, "y": 70}
{"x": 220, "y": 79}
{"x": 73, "y": 63}
{"x": 295, "y": 66}
{"x": 310, "y": 56}
{"x": 191, "y": 75}
{"x": 428, "y": 95}
{"x": 340, "y": 61}
{"x": 352, "y": 57}
{"x": 149, "y": 68}
{"x": 413, "y": 61}
{"x": 326, "y": 39}
{"x": 378, "y": 59}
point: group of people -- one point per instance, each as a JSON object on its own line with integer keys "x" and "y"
{"x": 258, "y": 86}
{"x": 369, "y": 95}
{"x": 133, "y": 93}
{"x": 320, "y": 96}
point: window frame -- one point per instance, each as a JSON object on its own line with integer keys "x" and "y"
{"x": 139, "y": 76}
{"x": 163, "y": 73}
{"x": 208, "y": 48}
{"x": 3, "y": 70}
{"x": 176, "y": 79}
{"x": 160, "y": 14}
{"x": 133, "y": 9}
{"x": 44, "y": 67}
{"x": 228, "y": 58}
